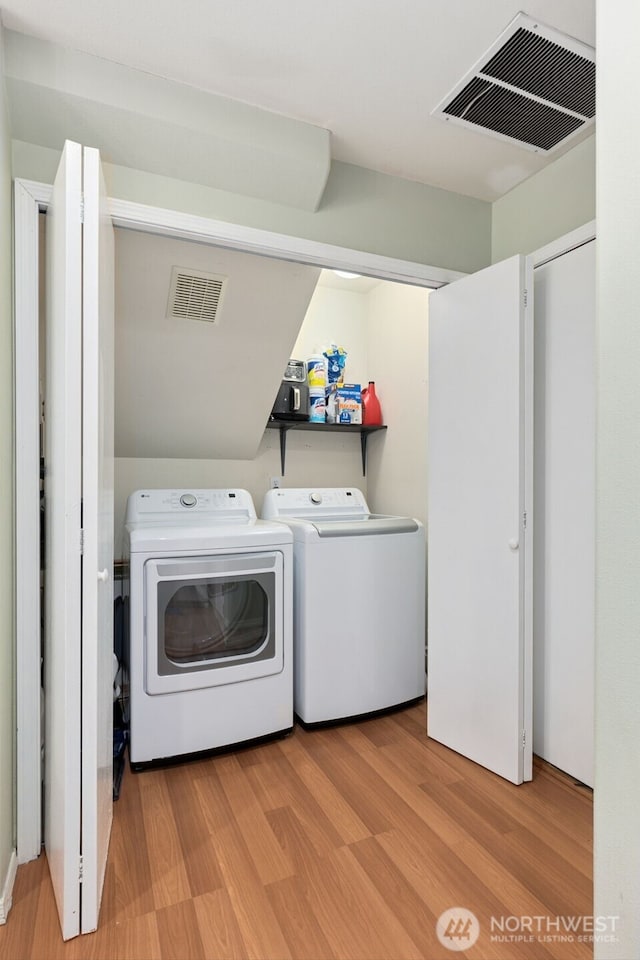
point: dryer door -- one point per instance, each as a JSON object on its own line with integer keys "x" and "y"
{"x": 212, "y": 620}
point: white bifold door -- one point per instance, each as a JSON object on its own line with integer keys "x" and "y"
{"x": 79, "y": 538}
{"x": 564, "y": 596}
{"x": 479, "y": 677}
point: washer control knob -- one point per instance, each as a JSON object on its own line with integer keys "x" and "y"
{"x": 315, "y": 497}
{"x": 188, "y": 500}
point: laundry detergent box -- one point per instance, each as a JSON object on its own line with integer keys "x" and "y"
{"x": 344, "y": 403}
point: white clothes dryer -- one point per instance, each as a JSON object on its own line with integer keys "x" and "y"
{"x": 359, "y": 599}
{"x": 210, "y": 630}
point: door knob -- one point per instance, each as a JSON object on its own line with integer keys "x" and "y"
{"x": 103, "y": 575}
{"x": 513, "y": 544}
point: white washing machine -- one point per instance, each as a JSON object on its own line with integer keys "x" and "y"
{"x": 210, "y": 629}
{"x": 359, "y": 603}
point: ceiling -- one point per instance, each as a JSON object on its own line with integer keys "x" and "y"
{"x": 369, "y": 71}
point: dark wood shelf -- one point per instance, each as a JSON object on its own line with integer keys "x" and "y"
{"x": 285, "y": 425}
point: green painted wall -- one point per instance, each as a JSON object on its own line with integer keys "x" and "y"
{"x": 365, "y": 210}
{"x": 7, "y": 724}
{"x": 546, "y": 206}
{"x": 360, "y": 209}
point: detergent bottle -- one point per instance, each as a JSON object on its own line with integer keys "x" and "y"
{"x": 371, "y": 412}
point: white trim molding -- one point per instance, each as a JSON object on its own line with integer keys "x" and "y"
{"x": 6, "y": 899}
{"x": 570, "y": 241}
{"x": 27, "y": 522}
{"x": 185, "y": 226}
{"x": 137, "y": 216}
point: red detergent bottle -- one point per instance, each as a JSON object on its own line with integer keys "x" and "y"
{"x": 371, "y": 412}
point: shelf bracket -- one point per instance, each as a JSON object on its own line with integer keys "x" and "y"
{"x": 283, "y": 447}
{"x": 363, "y": 448}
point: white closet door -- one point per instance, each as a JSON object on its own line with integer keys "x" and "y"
{"x": 97, "y": 560}
{"x": 78, "y": 745}
{"x": 563, "y": 661}
{"x": 63, "y": 507}
{"x": 479, "y": 490}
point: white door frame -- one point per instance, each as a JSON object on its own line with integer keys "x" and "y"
{"x": 32, "y": 198}
{"x": 570, "y": 241}
{"x": 28, "y": 203}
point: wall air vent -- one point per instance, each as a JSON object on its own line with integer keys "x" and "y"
{"x": 534, "y": 87}
{"x": 194, "y": 295}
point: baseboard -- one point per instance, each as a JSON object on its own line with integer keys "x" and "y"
{"x": 7, "y": 889}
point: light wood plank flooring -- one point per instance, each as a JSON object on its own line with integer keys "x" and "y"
{"x": 344, "y": 843}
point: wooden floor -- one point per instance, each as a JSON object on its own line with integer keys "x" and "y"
{"x": 346, "y": 842}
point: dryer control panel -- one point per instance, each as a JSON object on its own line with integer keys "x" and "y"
{"x": 150, "y": 505}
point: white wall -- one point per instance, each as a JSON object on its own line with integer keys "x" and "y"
{"x": 6, "y": 505}
{"x": 398, "y": 363}
{"x": 385, "y": 333}
{"x": 617, "y": 786}
{"x": 546, "y": 206}
{"x": 337, "y": 316}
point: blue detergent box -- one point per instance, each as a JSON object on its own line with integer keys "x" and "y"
{"x": 345, "y": 402}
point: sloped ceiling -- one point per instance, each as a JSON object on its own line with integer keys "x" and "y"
{"x": 188, "y": 389}
{"x": 149, "y": 123}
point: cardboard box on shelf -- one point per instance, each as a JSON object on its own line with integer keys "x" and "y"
{"x": 344, "y": 403}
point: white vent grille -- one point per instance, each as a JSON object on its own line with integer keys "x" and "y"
{"x": 195, "y": 295}
{"x": 534, "y": 87}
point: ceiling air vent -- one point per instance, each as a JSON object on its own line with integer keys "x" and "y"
{"x": 535, "y": 87}
{"x": 194, "y": 295}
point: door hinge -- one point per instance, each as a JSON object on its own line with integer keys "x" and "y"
{"x": 524, "y": 738}
{"x": 524, "y": 520}
{"x": 525, "y": 295}
{"x": 80, "y": 869}
{"x": 81, "y": 541}
{"x": 82, "y": 209}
